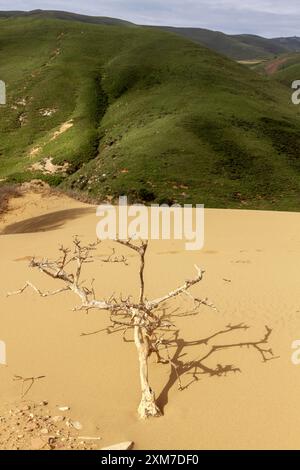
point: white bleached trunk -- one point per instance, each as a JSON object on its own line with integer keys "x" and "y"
{"x": 147, "y": 405}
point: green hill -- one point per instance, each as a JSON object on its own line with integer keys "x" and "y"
{"x": 264, "y": 47}
{"x": 284, "y": 69}
{"x": 242, "y": 47}
{"x": 292, "y": 43}
{"x": 238, "y": 47}
{"x": 146, "y": 113}
{"x": 63, "y": 15}
{"x": 288, "y": 69}
{"x": 287, "y": 75}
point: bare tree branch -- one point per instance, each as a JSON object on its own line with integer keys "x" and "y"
{"x": 38, "y": 291}
{"x": 24, "y": 380}
{"x": 180, "y": 290}
{"x": 149, "y": 324}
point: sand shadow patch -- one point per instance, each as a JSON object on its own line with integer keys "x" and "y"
{"x": 196, "y": 368}
{"x": 46, "y": 222}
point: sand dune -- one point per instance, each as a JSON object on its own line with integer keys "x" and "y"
{"x": 252, "y": 264}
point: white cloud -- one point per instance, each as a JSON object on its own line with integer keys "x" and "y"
{"x": 262, "y": 6}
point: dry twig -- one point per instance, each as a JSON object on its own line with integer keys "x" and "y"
{"x": 144, "y": 316}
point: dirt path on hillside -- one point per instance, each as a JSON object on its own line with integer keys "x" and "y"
{"x": 273, "y": 67}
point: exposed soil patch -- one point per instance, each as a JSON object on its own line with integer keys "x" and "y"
{"x": 47, "y": 166}
{"x": 273, "y": 67}
{"x": 35, "y": 151}
{"x": 47, "y": 112}
{"x": 63, "y": 128}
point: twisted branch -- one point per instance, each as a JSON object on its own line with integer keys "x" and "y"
{"x": 143, "y": 316}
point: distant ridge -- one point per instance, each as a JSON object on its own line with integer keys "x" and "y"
{"x": 292, "y": 43}
{"x": 240, "y": 46}
{"x": 64, "y": 15}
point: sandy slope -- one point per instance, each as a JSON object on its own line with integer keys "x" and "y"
{"x": 97, "y": 375}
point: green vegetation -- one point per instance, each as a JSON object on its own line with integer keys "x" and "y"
{"x": 146, "y": 113}
{"x": 284, "y": 69}
{"x": 239, "y": 47}
{"x": 288, "y": 70}
{"x": 63, "y": 15}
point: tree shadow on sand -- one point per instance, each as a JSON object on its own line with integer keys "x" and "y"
{"x": 46, "y": 222}
{"x": 149, "y": 321}
{"x": 172, "y": 351}
{"x": 198, "y": 367}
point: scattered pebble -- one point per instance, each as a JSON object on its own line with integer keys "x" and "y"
{"x": 121, "y": 446}
{"x": 25, "y": 408}
{"x": 63, "y": 408}
{"x": 44, "y": 403}
{"x": 57, "y": 419}
{"x": 75, "y": 424}
{"x": 36, "y": 428}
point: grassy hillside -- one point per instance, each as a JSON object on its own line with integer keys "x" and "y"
{"x": 292, "y": 43}
{"x": 284, "y": 69}
{"x": 288, "y": 70}
{"x": 145, "y": 113}
{"x": 242, "y": 47}
{"x": 263, "y": 46}
{"x": 238, "y": 47}
{"x": 220, "y": 42}
{"x": 287, "y": 75}
{"x": 63, "y": 15}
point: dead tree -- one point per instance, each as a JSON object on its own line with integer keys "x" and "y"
{"x": 143, "y": 316}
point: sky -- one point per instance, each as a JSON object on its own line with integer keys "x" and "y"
{"x": 269, "y": 18}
